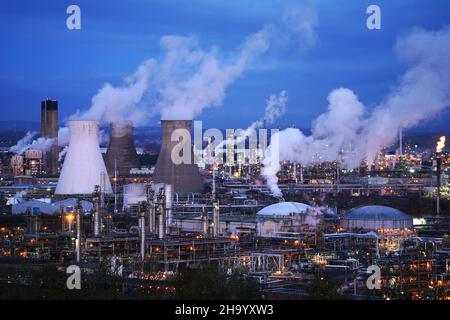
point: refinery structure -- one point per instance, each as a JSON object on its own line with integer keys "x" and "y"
{"x": 146, "y": 224}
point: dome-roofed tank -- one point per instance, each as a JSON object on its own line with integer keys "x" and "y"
{"x": 376, "y": 217}
{"x": 284, "y": 209}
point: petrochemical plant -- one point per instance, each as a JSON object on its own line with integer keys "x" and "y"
{"x": 146, "y": 223}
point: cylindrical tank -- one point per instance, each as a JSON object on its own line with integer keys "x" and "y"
{"x": 376, "y": 217}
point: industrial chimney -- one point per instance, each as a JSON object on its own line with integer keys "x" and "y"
{"x": 121, "y": 152}
{"x": 49, "y": 129}
{"x": 84, "y": 165}
{"x": 184, "y": 177}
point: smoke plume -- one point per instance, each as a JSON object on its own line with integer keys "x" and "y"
{"x": 275, "y": 109}
{"x": 349, "y": 133}
{"x": 23, "y": 144}
{"x": 27, "y": 143}
{"x": 188, "y": 78}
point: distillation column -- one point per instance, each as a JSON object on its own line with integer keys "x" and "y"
{"x": 161, "y": 215}
{"x": 142, "y": 210}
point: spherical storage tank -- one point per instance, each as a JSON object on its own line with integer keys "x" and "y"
{"x": 376, "y": 217}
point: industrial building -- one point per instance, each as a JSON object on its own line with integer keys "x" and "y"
{"x": 148, "y": 226}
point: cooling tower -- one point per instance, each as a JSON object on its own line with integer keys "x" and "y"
{"x": 121, "y": 149}
{"x": 183, "y": 177}
{"x": 84, "y": 165}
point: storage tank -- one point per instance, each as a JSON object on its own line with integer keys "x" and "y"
{"x": 374, "y": 218}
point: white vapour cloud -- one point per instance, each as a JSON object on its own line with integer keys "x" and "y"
{"x": 185, "y": 96}
{"x": 300, "y": 22}
{"x": 63, "y": 136}
{"x": 179, "y": 86}
{"x": 27, "y": 143}
{"x": 113, "y": 104}
{"x": 188, "y": 79}
{"x": 23, "y": 144}
{"x": 275, "y": 109}
{"x": 349, "y": 134}
{"x": 423, "y": 92}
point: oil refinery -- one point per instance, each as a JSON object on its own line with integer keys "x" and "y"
{"x": 148, "y": 227}
{"x": 289, "y": 150}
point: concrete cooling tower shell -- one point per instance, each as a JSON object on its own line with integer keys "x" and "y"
{"x": 83, "y": 167}
{"x": 121, "y": 150}
{"x": 183, "y": 177}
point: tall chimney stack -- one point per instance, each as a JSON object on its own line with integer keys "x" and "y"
{"x": 184, "y": 177}
{"x": 49, "y": 129}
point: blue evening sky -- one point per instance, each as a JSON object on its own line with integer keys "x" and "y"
{"x": 41, "y": 58}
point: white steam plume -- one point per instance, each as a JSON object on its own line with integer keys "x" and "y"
{"x": 275, "y": 109}
{"x": 23, "y": 143}
{"x": 27, "y": 142}
{"x": 188, "y": 78}
{"x": 115, "y": 104}
{"x": 343, "y": 133}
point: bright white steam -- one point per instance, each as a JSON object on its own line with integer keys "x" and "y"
{"x": 343, "y": 133}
